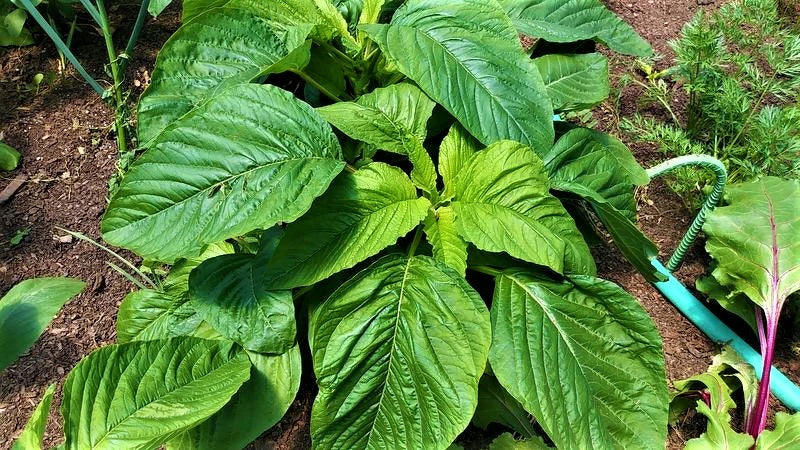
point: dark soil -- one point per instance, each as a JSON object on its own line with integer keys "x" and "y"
{"x": 69, "y": 153}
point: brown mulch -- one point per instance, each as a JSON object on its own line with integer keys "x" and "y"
{"x": 68, "y": 152}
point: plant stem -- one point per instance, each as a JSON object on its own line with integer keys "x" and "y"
{"x": 415, "y": 243}
{"x": 753, "y": 111}
{"x": 53, "y": 35}
{"x": 661, "y": 100}
{"x": 137, "y": 29}
{"x": 758, "y": 420}
{"x": 486, "y": 269}
{"x": 119, "y": 118}
{"x": 318, "y": 86}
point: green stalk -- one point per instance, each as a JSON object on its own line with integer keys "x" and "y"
{"x": 486, "y": 270}
{"x": 415, "y": 243}
{"x": 314, "y": 83}
{"x": 119, "y": 119}
{"x": 64, "y": 48}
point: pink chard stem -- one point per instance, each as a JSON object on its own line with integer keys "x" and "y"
{"x": 758, "y": 419}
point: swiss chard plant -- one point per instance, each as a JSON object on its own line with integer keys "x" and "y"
{"x": 756, "y": 256}
{"x": 383, "y": 170}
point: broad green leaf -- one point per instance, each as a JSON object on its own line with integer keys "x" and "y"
{"x": 754, "y": 241}
{"x": 9, "y": 157}
{"x": 258, "y": 405}
{"x": 250, "y": 158}
{"x": 147, "y": 315}
{"x": 455, "y": 153}
{"x": 506, "y": 442}
{"x": 465, "y": 54}
{"x": 27, "y": 309}
{"x": 33, "y": 433}
{"x": 140, "y": 394}
{"x": 393, "y": 118}
{"x": 194, "y": 8}
{"x": 448, "y": 246}
{"x": 231, "y": 294}
{"x": 786, "y": 434}
{"x": 574, "y": 81}
{"x": 719, "y": 435}
{"x": 599, "y": 162}
{"x": 502, "y": 204}
{"x": 371, "y": 11}
{"x": 361, "y": 214}
{"x": 496, "y": 405}
{"x": 398, "y": 352}
{"x": 195, "y": 64}
{"x": 285, "y": 14}
{"x": 178, "y": 277}
{"x": 575, "y": 20}
{"x": 588, "y": 344}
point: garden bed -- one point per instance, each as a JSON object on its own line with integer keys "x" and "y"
{"x": 68, "y": 156}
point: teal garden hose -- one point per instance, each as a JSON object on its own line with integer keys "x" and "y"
{"x": 780, "y": 386}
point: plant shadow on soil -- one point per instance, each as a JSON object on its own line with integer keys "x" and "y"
{"x": 69, "y": 154}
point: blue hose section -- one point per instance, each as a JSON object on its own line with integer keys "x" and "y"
{"x": 780, "y": 386}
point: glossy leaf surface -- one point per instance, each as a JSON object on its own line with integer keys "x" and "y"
{"x": 398, "y": 352}
{"x": 252, "y": 157}
{"x": 361, "y": 214}
{"x": 574, "y": 81}
{"x": 33, "y": 433}
{"x": 141, "y": 394}
{"x": 589, "y": 344}
{"x": 465, "y": 55}
{"x": 575, "y": 20}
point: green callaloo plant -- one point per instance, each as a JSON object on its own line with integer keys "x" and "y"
{"x": 379, "y": 170}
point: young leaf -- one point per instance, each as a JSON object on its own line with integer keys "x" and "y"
{"x": 33, "y": 433}
{"x": 195, "y": 64}
{"x": 735, "y": 302}
{"x": 506, "y": 442}
{"x": 258, "y": 405}
{"x": 590, "y": 345}
{"x": 448, "y": 246}
{"x": 754, "y": 240}
{"x": 465, "y": 54}
{"x": 575, "y": 20}
{"x": 719, "y": 435}
{"x": 393, "y": 118}
{"x": 496, "y": 405}
{"x": 398, "y": 352}
{"x": 786, "y": 434}
{"x": 231, "y": 294}
{"x": 361, "y": 214}
{"x": 141, "y": 394}
{"x": 574, "y": 81}
{"x": 261, "y": 160}
{"x": 455, "y": 153}
{"x": 27, "y": 309}
{"x": 502, "y": 204}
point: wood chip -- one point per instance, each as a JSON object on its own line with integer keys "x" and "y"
{"x": 12, "y": 188}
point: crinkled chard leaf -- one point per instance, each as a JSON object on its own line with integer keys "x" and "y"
{"x": 785, "y": 435}
{"x": 258, "y": 405}
{"x": 590, "y": 346}
{"x": 27, "y": 309}
{"x": 754, "y": 241}
{"x": 502, "y": 203}
{"x": 361, "y": 214}
{"x": 141, "y": 394}
{"x": 574, "y": 81}
{"x": 195, "y": 64}
{"x": 251, "y": 157}
{"x": 465, "y": 54}
{"x": 575, "y": 20}
{"x": 398, "y": 352}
